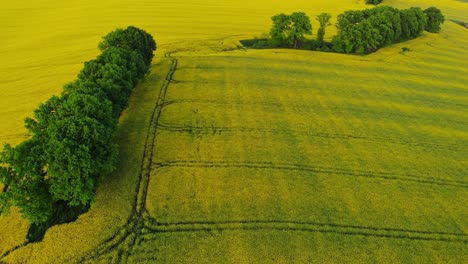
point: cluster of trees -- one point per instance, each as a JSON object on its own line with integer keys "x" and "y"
{"x": 359, "y": 31}
{"x": 290, "y": 30}
{"x": 364, "y": 31}
{"x": 71, "y": 143}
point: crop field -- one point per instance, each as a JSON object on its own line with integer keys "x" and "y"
{"x": 232, "y": 155}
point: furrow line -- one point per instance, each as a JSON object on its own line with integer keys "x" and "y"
{"x": 308, "y": 168}
{"x": 219, "y": 129}
{"x": 295, "y": 226}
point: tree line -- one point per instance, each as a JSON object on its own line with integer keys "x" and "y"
{"x": 71, "y": 134}
{"x": 359, "y": 31}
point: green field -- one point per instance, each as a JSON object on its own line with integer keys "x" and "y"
{"x": 230, "y": 155}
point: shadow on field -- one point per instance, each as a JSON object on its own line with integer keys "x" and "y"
{"x": 62, "y": 214}
{"x": 463, "y": 24}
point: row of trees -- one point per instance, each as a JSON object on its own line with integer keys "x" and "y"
{"x": 364, "y": 31}
{"x": 359, "y": 31}
{"x": 290, "y": 30}
{"x": 71, "y": 143}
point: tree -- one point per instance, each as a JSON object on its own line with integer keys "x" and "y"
{"x": 279, "y": 32}
{"x": 289, "y": 30}
{"x": 356, "y": 34}
{"x": 434, "y": 19}
{"x": 387, "y": 21}
{"x": 413, "y": 22}
{"x": 131, "y": 38}
{"x": 25, "y": 181}
{"x": 79, "y": 147}
{"x": 300, "y": 26}
{"x": 324, "y": 21}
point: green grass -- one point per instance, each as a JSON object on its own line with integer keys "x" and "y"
{"x": 254, "y": 156}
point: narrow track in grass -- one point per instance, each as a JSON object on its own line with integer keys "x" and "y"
{"x": 154, "y": 227}
{"x": 241, "y": 129}
{"x": 309, "y": 168}
{"x": 303, "y": 107}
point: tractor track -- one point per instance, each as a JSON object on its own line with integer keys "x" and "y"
{"x": 304, "y": 108}
{"x": 241, "y": 129}
{"x": 154, "y": 227}
{"x": 308, "y": 168}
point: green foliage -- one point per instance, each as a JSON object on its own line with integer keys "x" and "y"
{"x": 358, "y": 38}
{"x": 280, "y": 30}
{"x": 413, "y": 22}
{"x": 373, "y": 2}
{"x": 116, "y": 71}
{"x": 367, "y": 30}
{"x": 324, "y": 21}
{"x": 131, "y": 38}
{"x": 434, "y": 19}
{"x": 289, "y": 30}
{"x": 300, "y": 26}
{"x": 26, "y": 181}
{"x": 387, "y": 21}
{"x": 71, "y": 145}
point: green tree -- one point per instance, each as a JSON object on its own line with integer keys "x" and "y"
{"x": 324, "y": 21}
{"x": 356, "y": 34}
{"x": 279, "y": 32}
{"x": 387, "y": 21}
{"x": 300, "y": 26}
{"x": 289, "y": 30}
{"x": 434, "y": 19}
{"x": 131, "y": 38}
{"x": 359, "y": 38}
{"x": 413, "y": 22}
{"x": 26, "y": 182}
{"x": 75, "y": 135}
{"x": 116, "y": 71}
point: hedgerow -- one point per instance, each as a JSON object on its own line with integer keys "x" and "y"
{"x": 71, "y": 143}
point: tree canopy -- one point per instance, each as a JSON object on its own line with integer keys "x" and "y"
{"x": 364, "y": 31}
{"x": 324, "y": 21}
{"x": 434, "y": 19}
{"x": 289, "y": 30}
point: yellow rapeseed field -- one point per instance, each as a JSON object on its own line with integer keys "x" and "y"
{"x": 230, "y": 155}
